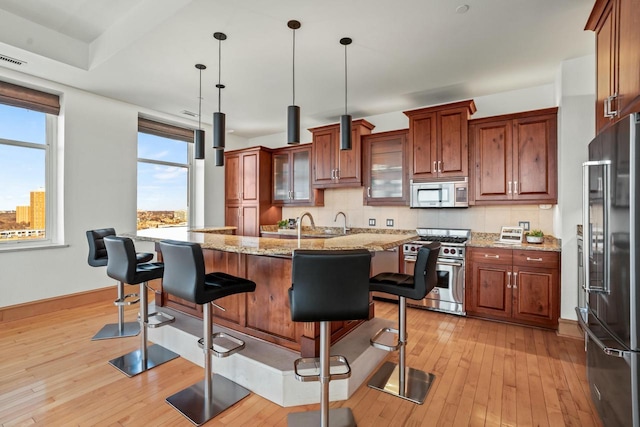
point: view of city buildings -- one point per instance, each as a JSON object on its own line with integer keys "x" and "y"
{"x": 26, "y": 222}
{"x": 159, "y": 219}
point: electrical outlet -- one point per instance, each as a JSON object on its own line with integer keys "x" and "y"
{"x": 524, "y": 225}
{"x": 389, "y": 222}
{"x": 372, "y": 222}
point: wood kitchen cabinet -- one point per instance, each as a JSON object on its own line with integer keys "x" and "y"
{"x": 520, "y": 286}
{"x": 438, "y": 140}
{"x": 292, "y": 177}
{"x": 248, "y": 190}
{"x": 333, "y": 167}
{"x": 385, "y": 176}
{"x": 616, "y": 24}
{"x": 514, "y": 158}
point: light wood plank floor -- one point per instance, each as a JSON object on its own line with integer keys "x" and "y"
{"x": 487, "y": 373}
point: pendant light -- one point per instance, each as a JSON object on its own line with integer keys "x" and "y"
{"x": 219, "y": 117}
{"x": 198, "y": 135}
{"x": 345, "y": 120}
{"x": 293, "y": 111}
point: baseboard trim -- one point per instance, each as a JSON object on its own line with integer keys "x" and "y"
{"x": 50, "y": 305}
{"x": 569, "y": 329}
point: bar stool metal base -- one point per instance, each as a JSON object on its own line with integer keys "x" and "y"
{"x": 191, "y": 401}
{"x": 131, "y": 364}
{"x": 416, "y": 387}
{"x": 112, "y": 330}
{"x": 340, "y": 417}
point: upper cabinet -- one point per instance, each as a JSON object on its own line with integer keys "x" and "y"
{"x": 248, "y": 190}
{"x": 333, "y": 167}
{"x": 292, "y": 177}
{"x": 617, "y": 27}
{"x": 438, "y": 141}
{"x": 385, "y": 168}
{"x": 514, "y": 158}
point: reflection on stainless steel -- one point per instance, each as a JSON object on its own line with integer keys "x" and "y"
{"x": 611, "y": 317}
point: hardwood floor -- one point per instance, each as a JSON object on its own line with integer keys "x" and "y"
{"x": 491, "y": 374}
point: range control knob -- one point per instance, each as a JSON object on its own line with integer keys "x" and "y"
{"x": 445, "y": 250}
{"x": 453, "y": 251}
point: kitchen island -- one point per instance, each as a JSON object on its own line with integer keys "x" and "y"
{"x": 265, "y": 313}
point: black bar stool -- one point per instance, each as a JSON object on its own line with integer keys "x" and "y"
{"x": 327, "y": 286}
{"x": 184, "y": 277}
{"x": 98, "y": 258}
{"x": 123, "y": 266}
{"x": 399, "y": 380}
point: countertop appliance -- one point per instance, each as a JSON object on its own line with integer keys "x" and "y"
{"x": 611, "y": 231}
{"x": 452, "y": 194}
{"x": 448, "y": 294}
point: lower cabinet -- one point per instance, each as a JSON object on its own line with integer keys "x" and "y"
{"x": 521, "y": 286}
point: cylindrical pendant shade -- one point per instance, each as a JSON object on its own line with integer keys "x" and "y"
{"x": 345, "y": 132}
{"x": 293, "y": 124}
{"x": 218, "y": 130}
{"x": 219, "y": 157}
{"x": 198, "y": 141}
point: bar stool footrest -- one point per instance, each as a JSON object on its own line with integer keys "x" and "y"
{"x": 334, "y": 361}
{"x": 126, "y": 300}
{"x": 158, "y": 319}
{"x": 238, "y": 344}
{"x": 377, "y": 342}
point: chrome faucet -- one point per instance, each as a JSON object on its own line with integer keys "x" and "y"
{"x": 344, "y": 229}
{"x": 299, "y": 222}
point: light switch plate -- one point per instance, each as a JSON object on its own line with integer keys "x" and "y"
{"x": 372, "y": 222}
{"x": 389, "y": 222}
{"x": 524, "y": 225}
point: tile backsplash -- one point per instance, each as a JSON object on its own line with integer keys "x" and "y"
{"x": 487, "y": 219}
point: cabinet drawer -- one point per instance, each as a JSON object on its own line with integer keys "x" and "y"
{"x": 496, "y": 256}
{"x": 535, "y": 258}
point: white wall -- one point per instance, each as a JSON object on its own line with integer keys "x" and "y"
{"x": 99, "y": 149}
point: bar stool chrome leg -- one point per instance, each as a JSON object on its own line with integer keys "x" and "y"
{"x": 146, "y": 357}
{"x": 198, "y": 402}
{"x": 121, "y": 329}
{"x": 400, "y": 380}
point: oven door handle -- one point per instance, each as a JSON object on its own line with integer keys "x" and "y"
{"x": 410, "y": 260}
{"x": 449, "y": 263}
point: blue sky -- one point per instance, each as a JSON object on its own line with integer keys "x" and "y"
{"x": 22, "y": 169}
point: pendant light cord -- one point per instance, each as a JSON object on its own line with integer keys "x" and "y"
{"x": 219, "y": 74}
{"x": 345, "y": 79}
{"x": 294, "y": 68}
{"x": 200, "y": 101}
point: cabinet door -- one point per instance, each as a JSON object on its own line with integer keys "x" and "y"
{"x": 628, "y": 57}
{"x": 535, "y": 295}
{"x": 232, "y": 176}
{"x": 349, "y": 164}
{"x": 490, "y": 290}
{"x": 323, "y": 157}
{"x": 605, "y": 64}
{"x": 249, "y": 220}
{"x": 232, "y": 218}
{"x": 249, "y": 176}
{"x": 385, "y": 177}
{"x": 300, "y": 174}
{"x": 422, "y": 140}
{"x": 534, "y": 159}
{"x": 492, "y": 160}
{"x": 453, "y": 144}
{"x": 281, "y": 178}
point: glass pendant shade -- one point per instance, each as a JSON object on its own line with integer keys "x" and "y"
{"x": 293, "y": 124}
{"x": 198, "y": 140}
{"x": 218, "y": 130}
{"x": 345, "y": 132}
{"x": 219, "y": 157}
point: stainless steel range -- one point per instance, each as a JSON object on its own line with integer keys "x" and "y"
{"x": 448, "y": 295}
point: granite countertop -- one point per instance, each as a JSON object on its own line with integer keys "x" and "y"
{"x": 490, "y": 240}
{"x": 275, "y": 247}
{"x": 322, "y": 231}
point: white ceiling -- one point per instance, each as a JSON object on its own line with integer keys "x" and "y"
{"x": 405, "y": 54}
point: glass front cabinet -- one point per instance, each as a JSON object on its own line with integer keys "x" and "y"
{"x": 292, "y": 177}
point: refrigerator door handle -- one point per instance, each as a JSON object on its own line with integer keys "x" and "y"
{"x": 586, "y": 224}
{"x": 609, "y": 351}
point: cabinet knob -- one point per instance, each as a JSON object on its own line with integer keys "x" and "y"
{"x": 515, "y": 280}
{"x": 435, "y": 169}
{"x": 509, "y": 188}
{"x": 369, "y": 192}
{"x": 440, "y": 166}
{"x": 508, "y": 280}
{"x": 515, "y": 187}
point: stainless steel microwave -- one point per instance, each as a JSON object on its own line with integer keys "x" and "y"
{"x": 453, "y": 194}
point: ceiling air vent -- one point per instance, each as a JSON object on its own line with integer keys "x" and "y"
{"x": 14, "y": 61}
{"x": 189, "y": 113}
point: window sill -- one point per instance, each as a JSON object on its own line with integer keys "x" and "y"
{"x": 29, "y": 246}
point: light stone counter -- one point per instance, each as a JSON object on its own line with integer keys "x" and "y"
{"x": 211, "y": 239}
{"x": 490, "y": 240}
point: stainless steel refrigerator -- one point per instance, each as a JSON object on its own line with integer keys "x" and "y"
{"x": 611, "y": 227}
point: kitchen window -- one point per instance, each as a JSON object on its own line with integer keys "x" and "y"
{"x": 28, "y": 120}
{"x": 164, "y": 175}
